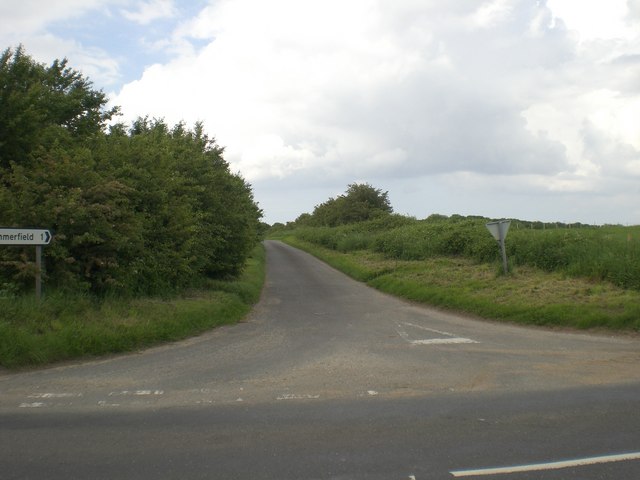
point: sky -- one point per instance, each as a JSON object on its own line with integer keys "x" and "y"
{"x": 501, "y": 108}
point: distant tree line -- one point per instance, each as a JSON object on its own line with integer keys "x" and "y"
{"x": 142, "y": 209}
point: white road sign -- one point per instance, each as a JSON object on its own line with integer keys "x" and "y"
{"x": 24, "y": 236}
{"x": 499, "y": 229}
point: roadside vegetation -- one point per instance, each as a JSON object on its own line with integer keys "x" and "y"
{"x": 137, "y": 212}
{"x": 576, "y": 275}
{"x": 64, "y": 326}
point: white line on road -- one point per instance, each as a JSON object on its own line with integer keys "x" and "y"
{"x": 421, "y": 327}
{"x": 548, "y": 466}
{"x": 32, "y": 405}
{"x": 451, "y": 337}
{"x": 293, "y": 396}
{"x": 442, "y": 341}
{"x": 136, "y": 393}
{"x": 54, "y": 395}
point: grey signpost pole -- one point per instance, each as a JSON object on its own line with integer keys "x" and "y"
{"x": 499, "y": 231}
{"x": 38, "y": 272}
{"x": 28, "y": 236}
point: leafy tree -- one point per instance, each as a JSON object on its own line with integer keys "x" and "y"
{"x": 198, "y": 220}
{"x": 359, "y": 203}
{"x": 41, "y": 105}
{"x": 146, "y": 209}
{"x": 303, "y": 220}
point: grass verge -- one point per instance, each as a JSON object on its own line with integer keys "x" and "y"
{"x": 527, "y": 295}
{"x": 63, "y": 327}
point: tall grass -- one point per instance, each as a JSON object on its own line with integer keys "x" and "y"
{"x": 609, "y": 253}
{"x": 65, "y": 326}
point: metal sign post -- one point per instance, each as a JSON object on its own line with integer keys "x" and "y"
{"x": 38, "y": 272}
{"x": 28, "y": 236}
{"x": 499, "y": 231}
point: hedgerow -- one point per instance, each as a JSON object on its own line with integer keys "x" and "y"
{"x": 143, "y": 209}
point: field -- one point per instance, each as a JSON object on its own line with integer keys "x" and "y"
{"x": 569, "y": 276}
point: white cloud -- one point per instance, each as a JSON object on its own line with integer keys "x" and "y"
{"x": 26, "y": 23}
{"x": 614, "y": 156}
{"x": 592, "y": 20}
{"x": 30, "y": 16}
{"x": 492, "y": 13}
{"x": 343, "y": 79}
{"x": 633, "y": 15}
{"x": 149, "y": 11}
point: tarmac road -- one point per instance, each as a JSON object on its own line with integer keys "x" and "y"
{"x": 331, "y": 379}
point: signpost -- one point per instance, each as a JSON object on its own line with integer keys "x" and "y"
{"x": 499, "y": 231}
{"x": 28, "y": 236}
{"x": 24, "y": 236}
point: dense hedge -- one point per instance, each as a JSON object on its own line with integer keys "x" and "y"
{"x": 140, "y": 209}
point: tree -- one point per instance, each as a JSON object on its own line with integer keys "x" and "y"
{"x": 359, "y": 203}
{"x": 41, "y": 106}
{"x": 146, "y": 209}
{"x": 364, "y": 202}
{"x": 48, "y": 117}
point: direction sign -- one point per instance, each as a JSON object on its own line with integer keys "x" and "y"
{"x": 24, "y": 236}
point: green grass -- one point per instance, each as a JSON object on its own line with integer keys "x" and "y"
{"x": 63, "y": 327}
{"x": 527, "y": 295}
{"x": 610, "y": 253}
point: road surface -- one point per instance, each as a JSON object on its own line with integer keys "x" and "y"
{"x": 328, "y": 378}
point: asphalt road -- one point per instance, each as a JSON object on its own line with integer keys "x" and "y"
{"x": 330, "y": 379}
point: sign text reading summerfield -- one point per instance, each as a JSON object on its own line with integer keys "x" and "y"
{"x": 24, "y": 236}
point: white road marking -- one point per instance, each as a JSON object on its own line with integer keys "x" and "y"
{"x": 548, "y": 466}
{"x": 442, "y": 341}
{"x": 293, "y": 396}
{"x": 373, "y": 393}
{"x": 452, "y": 338}
{"x": 55, "y": 395}
{"x": 32, "y": 405}
{"x": 422, "y": 327}
{"x": 137, "y": 393}
{"x": 48, "y": 396}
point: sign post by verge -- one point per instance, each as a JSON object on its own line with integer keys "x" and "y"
{"x": 28, "y": 236}
{"x": 499, "y": 231}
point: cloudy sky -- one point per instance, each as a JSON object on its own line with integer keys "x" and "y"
{"x": 502, "y": 108}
